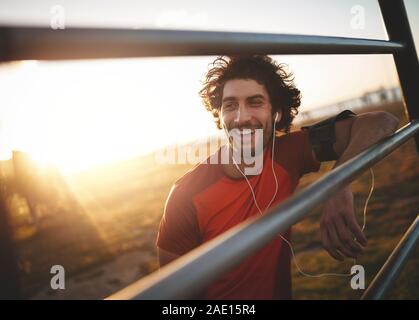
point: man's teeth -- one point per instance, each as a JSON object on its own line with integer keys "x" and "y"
{"x": 247, "y": 130}
{"x": 244, "y": 132}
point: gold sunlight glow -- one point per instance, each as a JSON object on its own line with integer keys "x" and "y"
{"x": 77, "y": 115}
{"x": 80, "y": 114}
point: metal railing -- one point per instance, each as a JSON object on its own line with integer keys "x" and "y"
{"x": 24, "y": 43}
{"x": 385, "y": 278}
{"x": 190, "y": 274}
{"x": 194, "y": 271}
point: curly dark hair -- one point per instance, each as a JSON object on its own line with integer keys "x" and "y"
{"x": 278, "y": 82}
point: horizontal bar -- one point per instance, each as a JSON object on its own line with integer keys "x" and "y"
{"x": 389, "y": 272}
{"x": 193, "y": 272}
{"x": 36, "y": 43}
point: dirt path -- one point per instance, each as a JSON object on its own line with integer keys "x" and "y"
{"x": 102, "y": 281}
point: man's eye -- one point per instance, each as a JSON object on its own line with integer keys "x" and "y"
{"x": 229, "y": 106}
{"x": 256, "y": 103}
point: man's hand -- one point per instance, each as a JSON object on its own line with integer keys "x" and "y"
{"x": 340, "y": 232}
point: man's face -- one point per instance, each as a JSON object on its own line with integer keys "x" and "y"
{"x": 246, "y": 105}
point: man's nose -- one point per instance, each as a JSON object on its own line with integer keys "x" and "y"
{"x": 242, "y": 115}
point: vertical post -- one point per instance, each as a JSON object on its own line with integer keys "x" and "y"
{"x": 9, "y": 276}
{"x": 398, "y": 29}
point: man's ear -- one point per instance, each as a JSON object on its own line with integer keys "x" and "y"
{"x": 278, "y": 116}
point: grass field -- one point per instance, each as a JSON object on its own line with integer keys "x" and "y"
{"x": 392, "y": 208}
{"x": 101, "y": 225}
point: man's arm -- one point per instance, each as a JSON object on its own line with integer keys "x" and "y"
{"x": 166, "y": 257}
{"x": 338, "y": 225}
{"x": 178, "y": 230}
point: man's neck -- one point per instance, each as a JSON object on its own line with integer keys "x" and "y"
{"x": 231, "y": 170}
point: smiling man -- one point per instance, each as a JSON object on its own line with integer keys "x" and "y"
{"x": 247, "y": 95}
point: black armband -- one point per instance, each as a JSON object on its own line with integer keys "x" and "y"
{"x": 322, "y": 136}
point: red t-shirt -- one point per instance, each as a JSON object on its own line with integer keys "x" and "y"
{"x": 205, "y": 202}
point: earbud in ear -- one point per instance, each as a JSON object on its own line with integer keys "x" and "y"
{"x": 276, "y": 116}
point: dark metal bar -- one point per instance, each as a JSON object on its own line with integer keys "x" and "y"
{"x": 25, "y": 43}
{"x": 192, "y": 273}
{"x": 388, "y": 273}
{"x": 398, "y": 29}
{"x": 10, "y": 287}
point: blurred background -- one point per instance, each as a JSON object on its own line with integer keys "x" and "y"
{"x": 78, "y": 141}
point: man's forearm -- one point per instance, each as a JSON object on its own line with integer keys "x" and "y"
{"x": 339, "y": 230}
{"x": 367, "y": 129}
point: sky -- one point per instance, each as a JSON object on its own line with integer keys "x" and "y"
{"x": 77, "y": 114}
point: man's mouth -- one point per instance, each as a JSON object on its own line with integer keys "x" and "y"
{"x": 244, "y": 134}
{"x": 246, "y": 130}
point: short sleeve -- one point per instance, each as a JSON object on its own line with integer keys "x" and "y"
{"x": 309, "y": 163}
{"x": 178, "y": 230}
{"x": 294, "y": 153}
